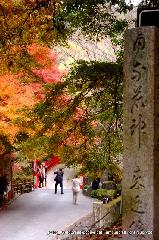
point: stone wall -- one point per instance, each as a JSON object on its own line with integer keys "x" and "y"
{"x": 106, "y": 214}
{"x": 103, "y": 215}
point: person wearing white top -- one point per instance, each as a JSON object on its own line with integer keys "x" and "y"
{"x": 75, "y": 188}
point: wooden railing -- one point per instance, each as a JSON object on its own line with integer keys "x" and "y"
{"x": 22, "y": 187}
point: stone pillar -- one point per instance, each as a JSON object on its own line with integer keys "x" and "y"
{"x": 141, "y": 134}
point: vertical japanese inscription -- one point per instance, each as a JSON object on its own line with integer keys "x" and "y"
{"x": 138, "y": 126}
{"x": 137, "y": 205}
{"x": 137, "y": 186}
{"x": 138, "y": 101}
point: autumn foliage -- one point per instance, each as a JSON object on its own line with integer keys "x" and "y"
{"x": 49, "y": 73}
{"x": 26, "y": 89}
{"x": 33, "y": 106}
{"x": 13, "y": 96}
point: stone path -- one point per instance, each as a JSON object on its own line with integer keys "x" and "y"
{"x": 34, "y": 214}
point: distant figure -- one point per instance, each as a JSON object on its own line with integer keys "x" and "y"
{"x": 75, "y": 188}
{"x": 59, "y": 179}
{"x": 95, "y": 183}
{"x": 40, "y": 176}
{"x": 3, "y": 187}
{"x": 44, "y": 171}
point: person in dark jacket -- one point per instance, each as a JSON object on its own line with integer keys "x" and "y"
{"x": 3, "y": 187}
{"x": 59, "y": 179}
{"x": 95, "y": 183}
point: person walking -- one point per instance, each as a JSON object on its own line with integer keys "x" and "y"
{"x": 75, "y": 188}
{"x": 40, "y": 176}
{"x": 59, "y": 179}
{"x": 44, "y": 171}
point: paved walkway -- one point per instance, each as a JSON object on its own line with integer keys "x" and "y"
{"x": 34, "y": 214}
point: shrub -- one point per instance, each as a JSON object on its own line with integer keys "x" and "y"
{"x": 85, "y": 187}
{"x": 22, "y": 178}
{"x": 101, "y": 193}
{"x": 108, "y": 185}
{"x": 119, "y": 189}
{"x": 116, "y": 172}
